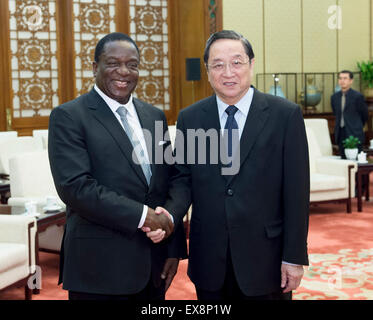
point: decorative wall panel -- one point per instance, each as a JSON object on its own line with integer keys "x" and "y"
{"x": 92, "y": 20}
{"x": 149, "y": 28}
{"x": 33, "y": 44}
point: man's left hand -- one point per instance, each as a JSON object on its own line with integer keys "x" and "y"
{"x": 291, "y": 277}
{"x": 169, "y": 271}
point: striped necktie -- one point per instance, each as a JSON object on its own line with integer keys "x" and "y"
{"x": 140, "y": 155}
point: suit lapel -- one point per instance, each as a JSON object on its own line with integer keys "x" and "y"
{"x": 256, "y": 118}
{"x": 211, "y": 121}
{"x": 105, "y": 116}
{"x": 212, "y": 118}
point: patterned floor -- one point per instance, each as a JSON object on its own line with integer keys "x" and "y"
{"x": 345, "y": 275}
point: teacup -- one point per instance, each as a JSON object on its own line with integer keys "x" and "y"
{"x": 362, "y": 157}
{"x": 30, "y": 207}
{"x": 51, "y": 202}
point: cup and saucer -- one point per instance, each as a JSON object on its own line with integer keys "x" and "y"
{"x": 52, "y": 205}
{"x": 31, "y": 209}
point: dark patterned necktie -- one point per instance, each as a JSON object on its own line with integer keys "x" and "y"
{"x": 230, "y": 125}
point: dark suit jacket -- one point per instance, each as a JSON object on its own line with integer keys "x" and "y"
{"x": 103, "y": 250}
{"x": 355, "y": 114}
{"x": 261, "y": 212}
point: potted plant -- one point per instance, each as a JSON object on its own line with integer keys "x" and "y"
{"x": 366, "y": 71}
{"x": 351, "y": 147}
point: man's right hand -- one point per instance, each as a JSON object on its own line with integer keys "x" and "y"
{"x": 158, "y": 222}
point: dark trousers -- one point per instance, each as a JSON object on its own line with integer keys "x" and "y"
{"x": 342, "y": 136}
{"x": 232, "y": 291}
{"x": 149, "y": 293}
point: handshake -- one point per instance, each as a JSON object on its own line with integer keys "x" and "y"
{"x": 158, "y": 224}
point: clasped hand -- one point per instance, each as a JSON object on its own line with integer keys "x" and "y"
{"x": 158, "y": 224}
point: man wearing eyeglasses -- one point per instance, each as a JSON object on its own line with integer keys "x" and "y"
{"x": 248, "y": 233}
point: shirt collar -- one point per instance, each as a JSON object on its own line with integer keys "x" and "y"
{"x": 114, "y": 105}
{"x": 243, "y": 105}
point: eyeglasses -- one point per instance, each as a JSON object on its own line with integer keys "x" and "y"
{"x": 234, "y": 65}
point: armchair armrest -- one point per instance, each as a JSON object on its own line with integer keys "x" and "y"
{"x": 339, "y": 167}
{"x": 14, "y": 229}
{"x": 336, "y": 167}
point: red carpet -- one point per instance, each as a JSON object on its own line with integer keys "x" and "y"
{"x": 341, "y": 260}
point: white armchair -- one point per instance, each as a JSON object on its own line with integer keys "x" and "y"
{"x": 17, "y": 251}
{"x": 13, "y": 146}
{"x": 321, "y": 132}
{"x": 43, "y": 135}
{"x": 31, "y": 179}
{"x": 330, "y": 179}
{"x": 5, "y": 135}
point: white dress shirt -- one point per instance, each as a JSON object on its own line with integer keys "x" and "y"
{"x": 240, "y": 116}
{"x": 134, "y": 122}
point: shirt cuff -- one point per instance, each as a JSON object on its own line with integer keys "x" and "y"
{"x": 290, "y": 264}
{"x": 143, "y": 216}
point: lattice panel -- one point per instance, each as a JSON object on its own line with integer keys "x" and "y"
{"x": 33, "y": 43}
{"x": 213, "y": 7}
{"x": 93, "y": 19}
{"x": 149, "y": 28}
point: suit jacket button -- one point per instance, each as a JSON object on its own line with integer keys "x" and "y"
{"x": 230, "y": 192}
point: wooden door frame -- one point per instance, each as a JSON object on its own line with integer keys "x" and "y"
{"x": 177, "y": 61}
{"x": 5, "y": 66}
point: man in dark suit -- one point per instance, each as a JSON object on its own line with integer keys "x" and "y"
{"x": 350, "y": 110}
{"x": 248, "y": 232}
{"x": 104, "y": 170}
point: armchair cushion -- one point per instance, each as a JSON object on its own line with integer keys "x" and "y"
{"x": 43, "y": 135}
{"x": 31, "y": 179}
{"x": 320, "y": 182}
{"x": 15, "y": 146}
{"x": 12, "y": 255}
{"x": 322, "y": 134}
{"x": 30, "y": 176}
{"x": 330, "y": 178}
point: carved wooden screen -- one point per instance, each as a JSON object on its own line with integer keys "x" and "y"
{"x": 149, "y": 28}
{"x": 47, "y": 49}
{"x": 33, "y": 45}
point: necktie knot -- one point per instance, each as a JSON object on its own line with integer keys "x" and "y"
{"x": 231, "y": 110}
{"x": 122, "y": 111}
